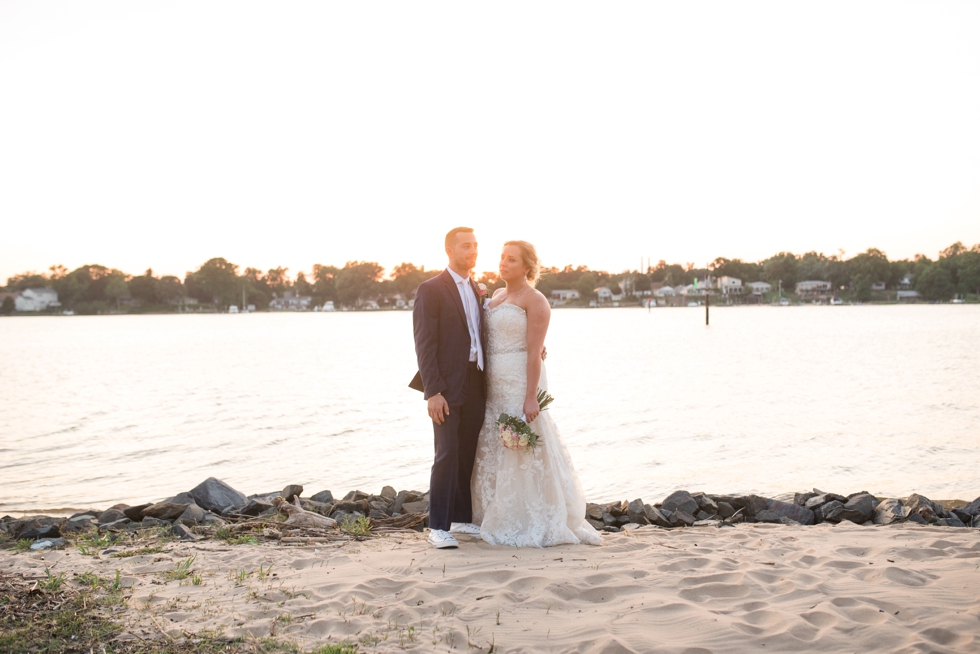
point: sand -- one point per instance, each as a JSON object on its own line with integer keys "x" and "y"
{"x": 747, "y": 588}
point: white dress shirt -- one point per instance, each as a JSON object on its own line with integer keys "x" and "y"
{"x": 472, "y": 309}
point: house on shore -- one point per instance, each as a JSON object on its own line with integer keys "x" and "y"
{"x": 729, "y": 285}
{"x": 36, "y": 299}
{"x": 560, "y": 297}
{"x": 759, "y": 288}
{"x": 291, "y": 302}
{"x": 814, "y": 289}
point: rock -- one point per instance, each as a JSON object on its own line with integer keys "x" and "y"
{"x": 377, "y": 514}
{"x": 609, "y": 519}
{"x": 41, "y": 533}
{"x": 378, "y": 506}
{"x": 951, "y": 522}
{"x": 965, "y": 517}
{"x": 593, "y": 511}
{"x": 611, "y": 530}
{"x": 976, "y": 521}
{"x": 192, "y": 515}
{"x": 316, "y": 507}
{"x": 421, "y": 506}
{"x": 168, "y": 511}
{"x": 110, "y": 515}
{"x": 402, "y": 498}
{"x": 923, "y": 506}
{"x": 77, "y": 525}
{"x": 725, "y": 510}
{"x": 859, "y": 508}
{"x": 706, "y": 523}
{"x": 184, "y": 533}
{"x": 656, "y": 516}
{"x": 257, "y": 507}
{"x": 890, "y": 511}
{"x": 702, "y": 515}
{"x": 622, "y": 520}
{"x": 356, "y": 495}
{"x": 47, "y": 543}
{"x": 915, "y": 517}
{"x": 389, "y": 493}
{"x": 135, "y": 513}
{"x": 973, "y": 508}
{"x": 91, "y": 515}
{"x": 681, "y": 519}
{"x": 598, "y": 524}
{"x": 617, "y": 509}
{"x": 801, "y": 498}
{"x": 735, "y": 501}
{"x": 830, "y": 512}
{"x": 215, "y": 495}
{"x": 681, "y": 501}
{"x": 121, "y": 523}
{"x": 636, "y": 513}
{"x": 212, "y": 520}
{"x": 149, "y": 521}
{"x": 326, "y": 497}
{"x": 181, "y": 498}
{"x": 824, "y": 498}
{"x": 705, "y": 503}
{"x": 291, "y": 491}
{"x": 754, "y": 504}
{"x": 794, "y": 512}
{"x": 768, "y": 516}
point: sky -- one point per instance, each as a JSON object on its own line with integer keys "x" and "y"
{"x": 140, "y": 135}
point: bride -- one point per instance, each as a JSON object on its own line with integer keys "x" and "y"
{"x": 524, "y": 498}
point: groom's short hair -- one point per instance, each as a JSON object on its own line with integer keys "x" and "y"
{"x": 451, "y": 236}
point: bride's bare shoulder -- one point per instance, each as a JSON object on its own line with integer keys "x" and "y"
{"x": 499, "y": 291}
{"x": 537, "y": 302}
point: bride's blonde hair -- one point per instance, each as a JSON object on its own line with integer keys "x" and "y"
{"x": 529, "y": 257}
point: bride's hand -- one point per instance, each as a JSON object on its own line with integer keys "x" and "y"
{"x": 531, "y": 409}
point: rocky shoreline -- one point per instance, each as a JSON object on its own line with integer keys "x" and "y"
{"x": 213, "y": 505}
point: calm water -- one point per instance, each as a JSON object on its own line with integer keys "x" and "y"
{"x": 132, "y": 408}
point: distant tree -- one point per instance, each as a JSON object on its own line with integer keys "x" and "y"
{"x": 492, "y": 281}
{"x": 813, "y": 265}
{"x": 782, "y": 266}
{"x": 169, "y": 289}
{"x": 358, "y": 281}
{"x": 277, "y": 279}
{"x": 144, "y": 287}
{"x": 7, "y": 307}
{"x": 868, "y": 268}
{"x": 302, "y": 286}
{"x": 934, "y": 283}
{"x": 26, "y": 280}
{"x": 115, "y": 288}
{"x": 969, "y": 271}
{"x": 215, "y": 282}
{"x": 406, "y": 277}
{"x": 586, "y": 285}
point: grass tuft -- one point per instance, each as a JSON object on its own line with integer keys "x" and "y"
{"x": 360, "y": 526}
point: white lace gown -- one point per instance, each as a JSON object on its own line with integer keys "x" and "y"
{"x": 530, "y": 498}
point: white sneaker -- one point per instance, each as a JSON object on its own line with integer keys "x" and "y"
{"x": 467, "y": 528}
{"x": 441, "y": 540}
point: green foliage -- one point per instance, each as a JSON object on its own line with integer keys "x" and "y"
{"x": 358, "y": 281}
{"x": 50, "y": 582}
{"x": 359, "y": 526}
{"x": 935, "y": 283}
{"x": 23, "y": 545}
{"x": 343, "y": 647}
{"x": 216, "y": 282}
{"x": 8, "y": 306}
{"x": 182, "y": 570}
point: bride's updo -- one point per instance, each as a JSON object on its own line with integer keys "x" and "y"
{"x": 529, "y": 257}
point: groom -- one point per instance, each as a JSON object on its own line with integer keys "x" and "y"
{"x": 448, "y": 320}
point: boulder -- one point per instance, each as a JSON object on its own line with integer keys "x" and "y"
{"x": 681, "y": 500}
{"x": 976, "y": 521}
{"x": 973, "y": 508}
{"x": 859, "y": 508}
{"x": 212, "y": 520}
{"x": 705, "y": 503}
{"x": 735, "y": 501}
{"x": 702, "y": 515}
{"x": 421, "y": 506}
{"x": 597, "y": 524}
{"x": 47, "y": 543}
{"x": 356, "y": 495}
{"x": 316, "y": 507}
{"x": 890, "y": 511}
{"x": 794, "y": 512}
{"x": 617, "y": 509}
{"x": 389, "y": 493}
{"x": 681, "y": 519}
{"x": 924, "y": 507}
{"x": 657, "y": 516}
{"x": 609, "y": 519}
{"x": 192, "y": 515}
{"x": 965, "y": 517}
{"x": 77, "y": 525}
{"x": 754, "y": 504}
{"x": 918, "y": 519}
{"x": 40, "y": 533}
{"x": 135, "y": 513}
{"x": 636, "y": 512}
{"x": 291, "y": 491}
{"x": 832, "y": 511}
{"x": 215, "y": 495}
{"x": 184, "y": 533}
{"x": 801, "y": 498}
{"x": 168, "y": 511}
{"x": 593, "y": 511}
{"x": 725, "y": 510}
{"x": 768, "y": 516}
{"x": 118, "y": 525}
{"x": 149, "y": 521}
{"x": 181, "y": 498}
{"x": 611, "y": 530}
{"x": 257, "y": 507}
{"x": 824, "y": 498}
{"x": 110, "y": 515}
{"x": 403, "y": 497}
{"x": 951, "y": 522}
{"x": 325, "y": 496}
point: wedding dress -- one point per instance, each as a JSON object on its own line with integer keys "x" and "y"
{"x": 527, "y": 498}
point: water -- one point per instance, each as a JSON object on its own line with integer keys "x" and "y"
{"x": 104, "y": 409}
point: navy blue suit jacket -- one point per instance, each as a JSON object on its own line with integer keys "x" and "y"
{"x": 442, "y": 338}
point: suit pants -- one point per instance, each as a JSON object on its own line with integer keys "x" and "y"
{"x": 455, "y": 451}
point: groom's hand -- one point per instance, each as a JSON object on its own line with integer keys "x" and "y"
{"x": 544, "y": 353}
{"x": 438, "y": 409}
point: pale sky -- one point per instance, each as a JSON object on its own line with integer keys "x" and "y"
{"x": 138, "y": 135}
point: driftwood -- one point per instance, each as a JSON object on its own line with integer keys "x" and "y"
{"x": 300, "y": 517}
{"x": 406, "y": 521}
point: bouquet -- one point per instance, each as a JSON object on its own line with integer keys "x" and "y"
{"x": 515, "y": 433}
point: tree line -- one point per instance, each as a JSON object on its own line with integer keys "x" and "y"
{"x": 218, "y": 283}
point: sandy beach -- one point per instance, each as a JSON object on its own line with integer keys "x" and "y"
{"x": 748, "y": 587}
